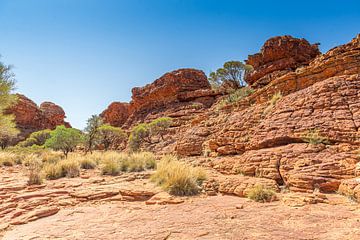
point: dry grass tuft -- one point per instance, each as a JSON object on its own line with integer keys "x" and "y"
{"x": 178, "y": 178}
{"x": 259, "y": 193}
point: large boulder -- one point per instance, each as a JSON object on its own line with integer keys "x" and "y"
{"x": 179, "y": 94}
{"x": 167, "y": 89}
{"x": 279, "y": 55}
{"x": 31, "y": 118}
{"x": 116, "y": 114}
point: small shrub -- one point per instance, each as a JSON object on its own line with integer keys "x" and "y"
{"x": 52, "y": 171}
{"x": 314, "y": 137}
{"x": 87, "y": 163}
{"x": 272, "y": 102}
{"x": 69, "y": 168}
{"x": 259, "y": 193}
{"x": 7, "y": 159}
{"x": 178, "y": 178}
{"x": 144, "y": 160}
{"x": 35, "y": 176}
{"x": 110, "y": 167}
{"x": 51, "y": 156}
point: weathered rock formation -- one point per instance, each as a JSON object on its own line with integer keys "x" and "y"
{"x": 279, "y": 55}
{"x": 31, "y": 118}
{"x": 116, "y": 114}
{"x": 262, "y": 138}
{"x": 266, "y": 140}
{"x": 176, "y": 94}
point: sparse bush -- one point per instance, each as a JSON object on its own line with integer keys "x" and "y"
{"x": 36, "y": 138}
{"x": 259, "y": 193}
{"x": 52, "y": 171}
{"x": 235, "y": 96}
{"x": 7, "y": 159}
{"x": 139, "y": 134}
{"x": 231, "y": 75}
{"x": 87, "y": 163}
{"x": 69, "y": 168}
{"x": 137, "y": 162}
{"x": 110, "y": 167}
{"x": 314, "y": 137}
{"x": 92, "y": 132}
{"x": 160, "y": 126}
{"x": 64, "y": 139}
{"x": 145, "y": 132}
{"x": 178, "y": 178}
{"x": 272, "y": 102}
{"x": 35, "y": 176}
{"x": 110, "y": 136}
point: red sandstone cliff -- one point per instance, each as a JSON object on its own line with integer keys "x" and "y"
{"x": 262, "y": 139}
{"x": 30, "y": 118}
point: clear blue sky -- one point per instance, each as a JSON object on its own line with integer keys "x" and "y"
{"x": 84, "y": 54}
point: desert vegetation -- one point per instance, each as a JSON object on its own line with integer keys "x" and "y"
{"x": 230, "y": 76}
{"x": 177, "y": 177}
{"x": 148, "y": 133}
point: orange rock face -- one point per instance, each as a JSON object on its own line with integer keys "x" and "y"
{"x": 116, "y": 114}
{"x": 175, "y": 94}
{"x": 30, "y": 118}
{"x": 262, "y": 139}
{"x": 278, "y": 56}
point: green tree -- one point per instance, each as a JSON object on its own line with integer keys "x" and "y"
{"x": 145, "y": 132}
{"x": 110, "y": 136}
{"x": 160, "y": 126}
{"x": 231, "y": 75}
{"x": 8, "y": 129}
{"x": 36, "y": 138}
{"x": 64, "y": 139}
{"x": 139, "y": 134}
{"x": 91, "y": 132}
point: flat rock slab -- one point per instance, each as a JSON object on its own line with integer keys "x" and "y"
{"x": 197, "y": 218}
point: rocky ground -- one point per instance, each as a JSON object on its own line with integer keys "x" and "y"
{"x": 129, "y": 206}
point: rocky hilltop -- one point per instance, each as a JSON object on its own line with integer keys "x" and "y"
{"x": 257, "y": 136}
{"x": 30, "y": 117}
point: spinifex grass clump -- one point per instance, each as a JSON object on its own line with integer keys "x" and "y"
{"x": 35, "y": 175}
{"x": 259, "y": 193}
{"x": 114, "y": 163}
{"x": 178, "y": 178}
{"x": 7, "y": 159}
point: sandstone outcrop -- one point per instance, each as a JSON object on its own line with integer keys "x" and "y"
{"x": 278, "y": 56}
{"x": 116, "y": 114}
{"x": 176, "y": 94}
{"x": 262, "y": 136}
{"x": 31, "y": 118}
{"x": 265, "y": 138}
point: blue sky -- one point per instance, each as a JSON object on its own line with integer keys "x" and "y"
{"x": 84, "y": 54}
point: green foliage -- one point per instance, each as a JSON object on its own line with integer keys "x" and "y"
{"x": 178, "y": 178}
{"x": 91, "y": 131}
{"x": 314, "y": 137}
{"x": 236, "y": 96}
{"x": 64, "y": 139}
{"x": 231, "y": 75}
{"x": 36, "y": 138}
{"x": 145, "y": 132}
{"x": 8, "y": 129}
{"x": 110, "y": 136}
{"x": 259, "y": 193}
{"x": 160, "y": 126}
{"x": 140, "y": 133}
